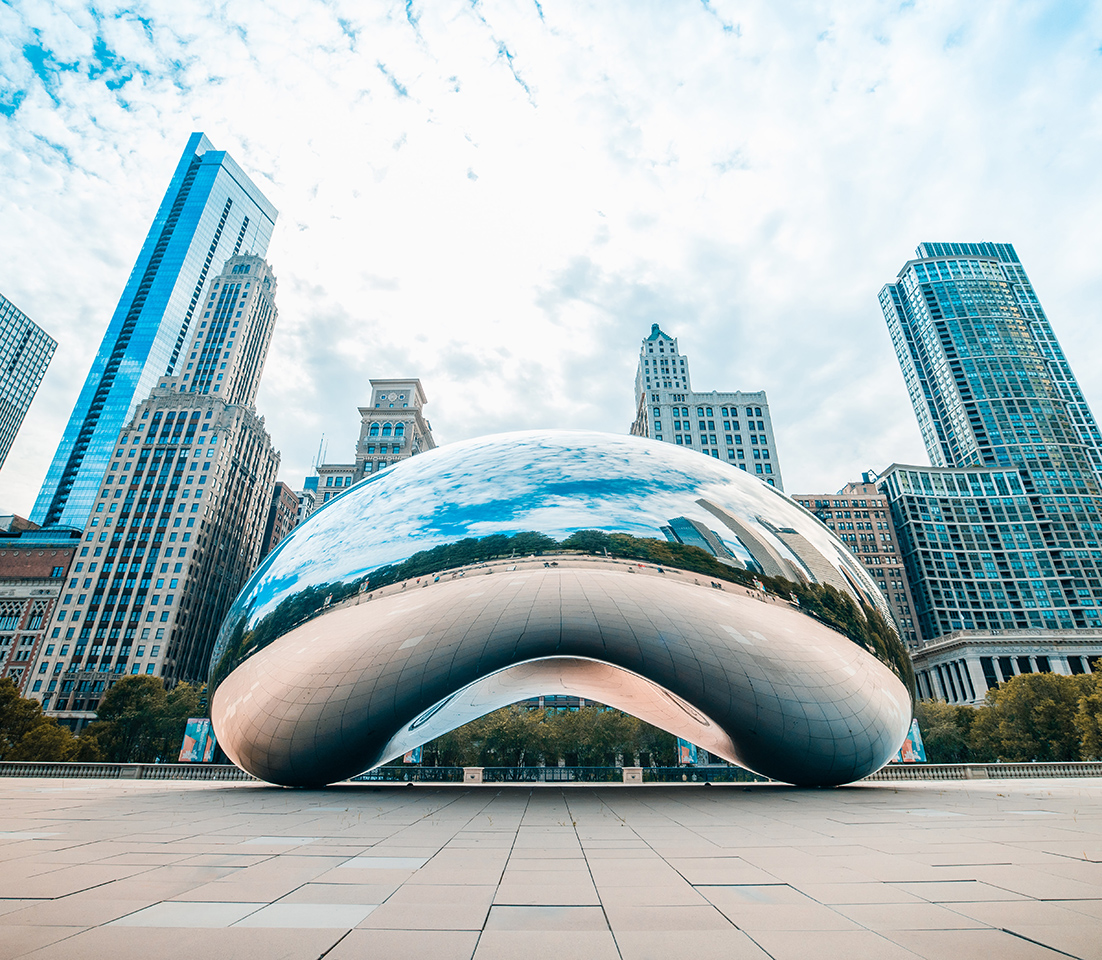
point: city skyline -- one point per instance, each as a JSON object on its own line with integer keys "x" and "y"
{"x": 497, "y": 200}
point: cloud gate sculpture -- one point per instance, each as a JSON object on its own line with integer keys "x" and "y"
{"x": 627, "y": 571}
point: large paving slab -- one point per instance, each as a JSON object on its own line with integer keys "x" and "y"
{"x": 136, "y": 869}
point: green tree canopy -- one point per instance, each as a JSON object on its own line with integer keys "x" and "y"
{"x": 27, "y": 734}
{"x": 140, "y": 722}
{"x": 946, "y": 731}
{"x": 516, "y": 736}
{"x": 1088, "y": 716}
{"x": 1030, "y": 717}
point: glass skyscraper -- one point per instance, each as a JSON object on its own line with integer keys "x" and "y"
{"x": 1002, "y": 537}
{"x": 210, "y": 212}
{"x": 989, "y": 383}
{"x": 25, "y": 352}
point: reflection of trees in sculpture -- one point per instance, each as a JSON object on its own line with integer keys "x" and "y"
{"x": 588, "y": 737}
{"x": 863, "y": 624}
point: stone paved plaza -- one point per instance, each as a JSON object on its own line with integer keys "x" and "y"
{"x": 118, "y": 869}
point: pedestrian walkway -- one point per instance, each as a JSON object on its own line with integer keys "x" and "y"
{"x": 121, "y": 869}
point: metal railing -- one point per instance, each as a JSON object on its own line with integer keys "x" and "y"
{"x": 126, "y": 771}
{"x": 706, "y": 774}
{"x": 408, "y": 774}
{"x": 552, "y": 774}
{"x": 414, "y": 774}
{"x": 986, "y": 771}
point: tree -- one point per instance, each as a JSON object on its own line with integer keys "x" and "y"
{"x": 1030, "y": 717}
{"x": 18, "y": 717}
{"x": 1088, "y": 716}
{"x": 140, "y": 722}
{"x": 946, "y": 731}
{"x": 46, "y": 742}
{"x": 511, "y": 736}
{"x": 514, "y": 736}
{"x": 26, "y": 733}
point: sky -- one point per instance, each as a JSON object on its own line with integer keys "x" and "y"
{"x": 501, "y": 198}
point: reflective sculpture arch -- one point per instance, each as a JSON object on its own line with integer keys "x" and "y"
{"x": 646, "y": 577}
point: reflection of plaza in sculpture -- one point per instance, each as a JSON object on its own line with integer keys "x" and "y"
{"x": 615, "y": 568}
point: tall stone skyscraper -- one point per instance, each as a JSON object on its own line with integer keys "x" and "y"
{"x": 210, "y": 212}
{"x": 177, "y": 524}
{"x": 1002, "y": 537}
{"x": 733, "y": 426}
{"x": 25, "y": 352}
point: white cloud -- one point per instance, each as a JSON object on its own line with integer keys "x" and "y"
{"x": 502, "y": 201}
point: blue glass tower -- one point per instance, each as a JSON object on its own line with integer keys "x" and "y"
{"x": 211, "y": 212}
{"x": 25, "y": 352}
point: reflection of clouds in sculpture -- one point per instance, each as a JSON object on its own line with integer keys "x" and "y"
{"x": 553, "y": 482}
{"x": 316, "y": 681}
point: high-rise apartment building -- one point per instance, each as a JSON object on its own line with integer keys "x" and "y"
{"x": 734, "y": 426}
{"x": 859, "y": 515}
{"x": 1001, "y": 537}
{"x": 210, "y": 212}
{"x": 25, "y": 353}
{"x": 178, "y": 520}
{"x": 987, "y": 378}
{"x": 392, "y": 428}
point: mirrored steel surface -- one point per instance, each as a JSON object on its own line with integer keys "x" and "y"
{"x": 615, "y": 568}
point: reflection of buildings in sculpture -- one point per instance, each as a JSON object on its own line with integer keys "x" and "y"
{"x": 392, "y": 428}
{"x": 731, "y": 426}
{"x": 25, "y": 352}
{"x": 178, "y": 524}
{"x": 210, "y": 212}
{"x": 859, "y": 515}
{"x": 817, "y": 567}
{"x": 693, "y": 533}
{"x": 768, "y": 558}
